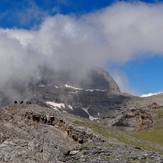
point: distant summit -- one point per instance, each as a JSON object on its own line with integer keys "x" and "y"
{"x": 89, "y": 94}
{"x": 94, "y": 78}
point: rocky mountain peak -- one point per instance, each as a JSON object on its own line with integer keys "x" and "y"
{"x": 94, "y": 78}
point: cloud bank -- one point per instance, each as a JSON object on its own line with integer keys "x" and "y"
{"x": 115, "y": 34}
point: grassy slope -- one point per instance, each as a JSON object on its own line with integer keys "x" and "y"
{"x": 152, "y": 140}
{"x": 156, "y": 134}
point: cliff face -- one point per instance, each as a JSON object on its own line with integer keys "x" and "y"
{"x": 95, "y": 78}
{"x": 94, "y": 96}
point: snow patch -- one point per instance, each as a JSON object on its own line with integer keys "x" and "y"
{"x": 56, "y": 86}
{"x": 80, "y": 89}
{"x": 69, "y": 106}
{"x": 101, "y": 90}
{"x": 42, "y": 86}
{"x": 58, "y": 105}
{"x": 90, "y": 117}
{"x": 55, "y": 105}
{"x": 73, "y": 92}
{"x": 92, "y": 90}
{"x": 89, "y": 90}
{"x": 69, "y": 86}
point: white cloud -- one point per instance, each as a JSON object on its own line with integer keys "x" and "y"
{"x": 130, "y": 28}
{"x": 151, "y": 94}
{"x": 122, "y": 81}
{"x": 115, "y": 34}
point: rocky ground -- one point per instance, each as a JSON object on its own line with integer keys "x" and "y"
{"x": 113, "y": 153}
{"x": 31, "y": 133}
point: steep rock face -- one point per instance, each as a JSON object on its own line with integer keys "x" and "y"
{"x": 95, "y": 78}
{"x": 94, "y": 96}
{"x": 100, "y": 79}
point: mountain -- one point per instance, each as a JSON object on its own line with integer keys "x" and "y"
{"x": 92, "y": 94}
{"x": 61, "y": 116}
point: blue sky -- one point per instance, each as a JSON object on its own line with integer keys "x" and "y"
{"x": 124, "y": 37}
{"x": 35, "y": 10}
{"x": 143, "y": 75}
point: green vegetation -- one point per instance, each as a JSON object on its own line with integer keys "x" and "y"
{"x": 98, "y": 128}
{"x": 83, "y": 148}
{"x": 158, "y": 119}
{"x": 156, "y": 134}
{"x": 74, "y": 161}
{"x": 160, "y": 113}
{"x": 143, "y": 140}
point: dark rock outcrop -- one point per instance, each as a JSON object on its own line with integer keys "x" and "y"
{"x": 134, "y": 119}
{"x": 144, "y": 120}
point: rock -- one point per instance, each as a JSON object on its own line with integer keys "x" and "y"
{"x": 32, "y": 135}
{"x": 73, "y": 152}
{"x": 144, "y": 121}
{"x": 140, "y": 119}
{"x": 115, "y": 153}
{"x": 29, "y": 138}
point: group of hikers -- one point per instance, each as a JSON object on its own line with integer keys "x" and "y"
{"x": 21, "y": 102}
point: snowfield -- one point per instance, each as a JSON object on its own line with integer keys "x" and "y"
{"x": 57, "y": 106}
{"x": 90, "y": 117}
{"x": 81, "y": 89}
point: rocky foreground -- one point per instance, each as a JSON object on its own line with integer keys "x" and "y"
{"x": 31, "y": 133}
{"x": 115, "y": 153}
